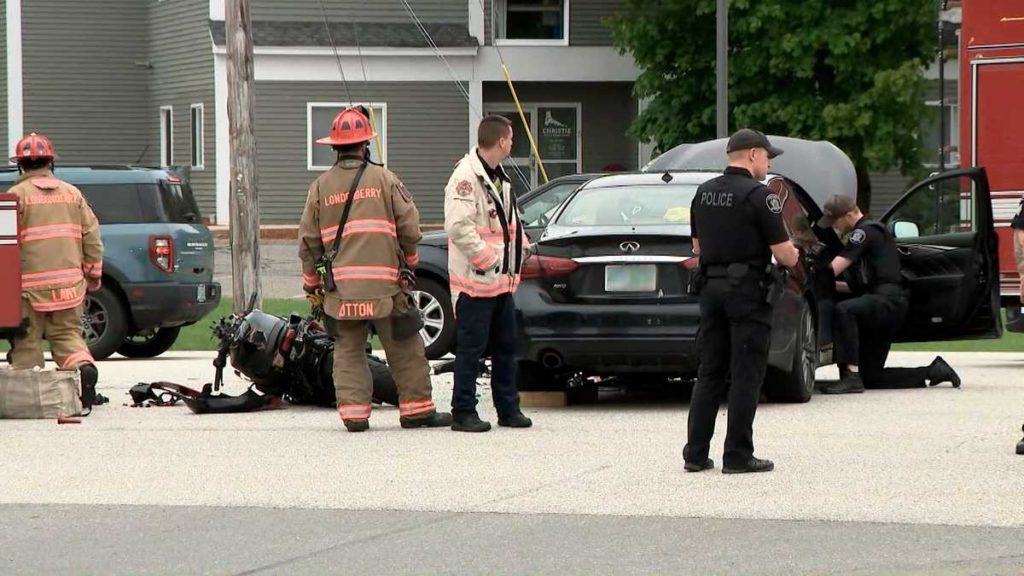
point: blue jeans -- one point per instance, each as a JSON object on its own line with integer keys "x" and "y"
{"x": 483, "y": 323}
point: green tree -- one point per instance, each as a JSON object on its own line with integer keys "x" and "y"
{"x": 847, "y": 71}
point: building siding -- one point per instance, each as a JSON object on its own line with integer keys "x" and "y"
{"x": 426, "y": 135}
{"x": 4, "y": 121}
{"x": 586, "y": 26}
{"x": 181, "y": 52}
{"x": 82, "y": 86}
{"x": 453, "y": 11}
{"x": 607, "y": 109}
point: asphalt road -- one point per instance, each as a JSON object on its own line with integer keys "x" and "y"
{"x": 917, "y": 481}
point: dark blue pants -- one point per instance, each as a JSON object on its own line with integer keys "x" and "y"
{"x": 483, "y": 323}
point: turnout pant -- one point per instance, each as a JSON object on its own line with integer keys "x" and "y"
{"x": 353, "y": 384}
{"x": 481, "y": 322}
{"x": 62, "y": 328}
{"x": 864, "y": 328}
{"x": 735, "y": 328}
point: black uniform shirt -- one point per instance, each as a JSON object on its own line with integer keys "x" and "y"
{"x": 736, "y": 219}
{"x": 873, "y": 249}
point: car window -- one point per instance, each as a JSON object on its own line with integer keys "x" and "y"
{"x": 941, "y": 208}
{"x": 123, "y": 203}
{"x": 538, "y": 210}
{"x": 794, "y": 215}
{"x": 644, "y": 205}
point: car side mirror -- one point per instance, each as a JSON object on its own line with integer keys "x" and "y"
{"x": 904, "y": 229}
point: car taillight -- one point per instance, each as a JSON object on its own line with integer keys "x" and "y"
{"x": 547, "y": 267}
{"x": 161, "y": 252}
{"x": 690, "y": 263}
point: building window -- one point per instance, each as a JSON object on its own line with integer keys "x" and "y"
{"x": 197, "y": 128}
{"x": 531, "y": 21}
{"x": 319, "y": 116}
{"x": 166, "y": 136}
{"x": 930, "y": 135}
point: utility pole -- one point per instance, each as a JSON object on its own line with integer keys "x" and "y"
{"x": 722, "y": 67}
{"x": 245, "y": 215}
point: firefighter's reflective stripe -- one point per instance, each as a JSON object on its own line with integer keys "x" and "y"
{"x": 354, "y": 411}
{"x": 366, "y": 273}
{"x": 93, "y": 269}
{"x": 35, "y": 233}
{"x": 310, "y": 280}
{"x": 51, "y": 277}
{"x": 485, "y": 259}
{"x": 80, "y": 357}
{"x": 360, "y": 226}
{"x": 477, "y": 289}
{"x": 414, "y": 408}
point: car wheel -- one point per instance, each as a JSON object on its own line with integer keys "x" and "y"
{"x": 149, "y": 344}
{"x": 797, "y": 384}
{"x": 104, "y": 326}
{"x": 438, "y": 332}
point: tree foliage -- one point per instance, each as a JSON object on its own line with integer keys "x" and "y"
{"x": 840, "y": 70}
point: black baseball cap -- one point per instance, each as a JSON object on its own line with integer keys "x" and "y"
{"x": 746, "y": 138}
{"x": 837, "y": 206}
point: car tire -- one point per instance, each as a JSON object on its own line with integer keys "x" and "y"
{"x": 796, "y": 385}
{"x": 153, "y": 346}
{"x": 104, "y": 323}
{"x": 438, "y": 333}
{"x": 385, "y": 390}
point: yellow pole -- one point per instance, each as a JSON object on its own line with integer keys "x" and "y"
{"x": 373, "y": 126}
{"x": 526, "y": 125}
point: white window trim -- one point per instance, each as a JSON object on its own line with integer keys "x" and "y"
{"x": 164, "y": 152}
{"x": 526, "y": 41}
{"x": 339, "y": 106}
{"x": 202, "y": 136}
{"x": 952, "y": 158}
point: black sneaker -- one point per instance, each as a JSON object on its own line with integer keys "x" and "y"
{"x": 849, "y": 384}
{"x": 940, "y": 371}
{"x": 707, "y": 464}
{"x": 470, "y": 424}
{"x": 517, "y": 420}
{"x": 435, "y": 420}
{"x": 357, "y": 425}
{"x": 751, "y": 465}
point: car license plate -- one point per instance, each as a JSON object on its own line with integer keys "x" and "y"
{"x": 201, "y": 293}
{"x": 631, "y": 278}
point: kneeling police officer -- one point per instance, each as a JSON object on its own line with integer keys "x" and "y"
{"x": 736, "y": 226}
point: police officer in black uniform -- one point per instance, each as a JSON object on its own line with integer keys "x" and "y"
{"x": 864, "y": 325}
{"x": 736, "y": 227}
{"x": 1018, "y": 254}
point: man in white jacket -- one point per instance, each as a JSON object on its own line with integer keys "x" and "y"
{"x": 486, "y": 250}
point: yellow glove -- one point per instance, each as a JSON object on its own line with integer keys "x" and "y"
{"x": 315, "y": 299}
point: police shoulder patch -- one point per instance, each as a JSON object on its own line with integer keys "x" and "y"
{"x": 774, "y": 203}
{"x": 464, "y": 187}
{"x": 858, "y": 236}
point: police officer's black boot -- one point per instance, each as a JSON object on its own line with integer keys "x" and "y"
{"x": 939, "y": 371}
{"x": 707, "y": 464}
{"x": 89, "y": 375}
{"x": 517, "y": 420}
{"x": 433, "y": 420}
{"x": 849, "y": 383}
{"x": 470, "y": 423}
{"x": 751, "y": 465}
{"x": 1020, "y": 445}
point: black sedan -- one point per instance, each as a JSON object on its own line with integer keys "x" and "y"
{"x": 605, "y": 292}
{"x": 432, "y": 294}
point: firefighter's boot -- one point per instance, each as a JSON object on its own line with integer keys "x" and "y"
{"x": 1020, "y": 445}
{"x": 432, "y": 420}
{"x": 90, "y": 375}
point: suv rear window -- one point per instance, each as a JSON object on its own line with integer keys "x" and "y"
{"x": 141, "y": 203}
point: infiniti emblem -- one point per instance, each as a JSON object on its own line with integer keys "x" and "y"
{"x": 629, "y": 246}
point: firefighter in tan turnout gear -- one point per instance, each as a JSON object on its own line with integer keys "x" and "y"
{"x": 357, "y": 243}
{"x": 61, "y": 258}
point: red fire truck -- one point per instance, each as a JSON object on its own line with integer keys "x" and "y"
{"x": 10, "y": 266}
{"x": 992, "y": 118}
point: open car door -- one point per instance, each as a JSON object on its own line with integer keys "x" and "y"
{"x": 948, "y": 248}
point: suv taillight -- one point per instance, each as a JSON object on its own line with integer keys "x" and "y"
{"x": 161, "y": 252}
{"x": 547, "y": 267}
